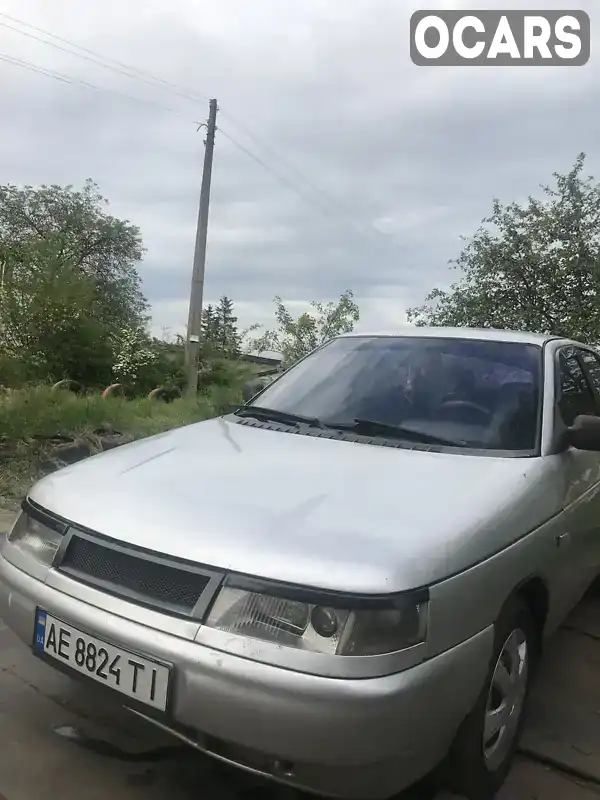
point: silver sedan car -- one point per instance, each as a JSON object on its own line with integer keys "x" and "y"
{"x": 345, "y": 584}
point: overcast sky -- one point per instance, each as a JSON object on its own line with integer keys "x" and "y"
{"x": 392, "y": 162}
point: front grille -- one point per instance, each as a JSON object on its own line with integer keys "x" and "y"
{"x": 134, "y": 576}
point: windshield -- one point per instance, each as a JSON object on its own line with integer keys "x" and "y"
{"x": 480, "y": 394}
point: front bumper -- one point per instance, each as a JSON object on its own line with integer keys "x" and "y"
{"x": 366, "y": 738}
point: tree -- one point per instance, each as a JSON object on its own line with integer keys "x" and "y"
{"x": 295, "y": 338}
{"x": 48, "y": 324}
{"x": 219, "y": 329}
{"x": 227, "y": 336}
{"x": 74, "y": 226}
{"x": 68, "y": 282}
{"x": 209, "y": 325}
{"x": 532, "y": 267}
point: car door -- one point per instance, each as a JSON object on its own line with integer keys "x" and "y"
{"x": 590, "y": 361}
{"x": 577, "y": 395}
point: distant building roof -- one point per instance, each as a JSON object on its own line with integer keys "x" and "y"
{"x": 269, "y": 358}
{"x": 269, "y": 354}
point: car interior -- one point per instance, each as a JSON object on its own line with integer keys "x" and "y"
{"x": 478, "y": 404}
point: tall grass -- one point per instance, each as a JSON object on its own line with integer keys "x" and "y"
{"x": 39, "y": 412}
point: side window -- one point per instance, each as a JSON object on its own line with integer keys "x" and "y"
{"x": 575, "y": 395}
{"x": 592, "y": 364}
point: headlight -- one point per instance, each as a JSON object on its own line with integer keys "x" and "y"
{"x": 35, "y": 539}
{"x": 320, "y": 628}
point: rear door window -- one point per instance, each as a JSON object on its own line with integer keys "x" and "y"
{"x": 575, "y": 395}
{"x": 591, "y": 362}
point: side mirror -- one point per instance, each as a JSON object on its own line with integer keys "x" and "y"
{"x": 584, "y": 433}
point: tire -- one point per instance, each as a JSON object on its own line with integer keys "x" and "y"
{"x": 476, "y": 770}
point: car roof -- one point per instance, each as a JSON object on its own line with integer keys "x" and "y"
{"x": 489, "y": 334}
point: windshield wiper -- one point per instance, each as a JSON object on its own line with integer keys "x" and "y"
{"x": 274, "y": 415}
{"x": 366, "y": 427}
{"x": 371, "y": 427}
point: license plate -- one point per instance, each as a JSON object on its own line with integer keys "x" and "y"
{"x": 133, "y": 676}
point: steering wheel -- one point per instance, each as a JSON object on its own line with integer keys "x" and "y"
{"x": 466, "y": 404}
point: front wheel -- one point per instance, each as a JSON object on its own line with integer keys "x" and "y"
{"x": 481, "y": 755}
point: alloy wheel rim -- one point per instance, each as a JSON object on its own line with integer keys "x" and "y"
{"x": 506, "y": 698}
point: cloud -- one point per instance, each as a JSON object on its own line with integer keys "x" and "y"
{"x": 364, "y": 169}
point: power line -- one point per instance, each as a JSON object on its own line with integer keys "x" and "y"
{"x": 152, "y": 80}
{"x": 33, "y": 68}
{"x": 74, "y": 81}
{"x": 69, "y": 79}
{"x": 98, "y": 58}
{"x": 269, "y": 169}
{"x": 59, "y": 76}
{"x": 290, "y": 185}
{"x": 343, "y": 212}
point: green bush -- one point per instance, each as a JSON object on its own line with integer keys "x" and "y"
{"x": 18, "y": 372}
{"x": 220, "y": 372}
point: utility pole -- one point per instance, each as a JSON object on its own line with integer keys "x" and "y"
{"x": 192, "y": 346}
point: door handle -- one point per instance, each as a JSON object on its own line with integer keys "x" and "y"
{"x": 563, "y": 539}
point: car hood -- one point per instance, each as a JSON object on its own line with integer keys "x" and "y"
{"x": 325, "y": 513}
